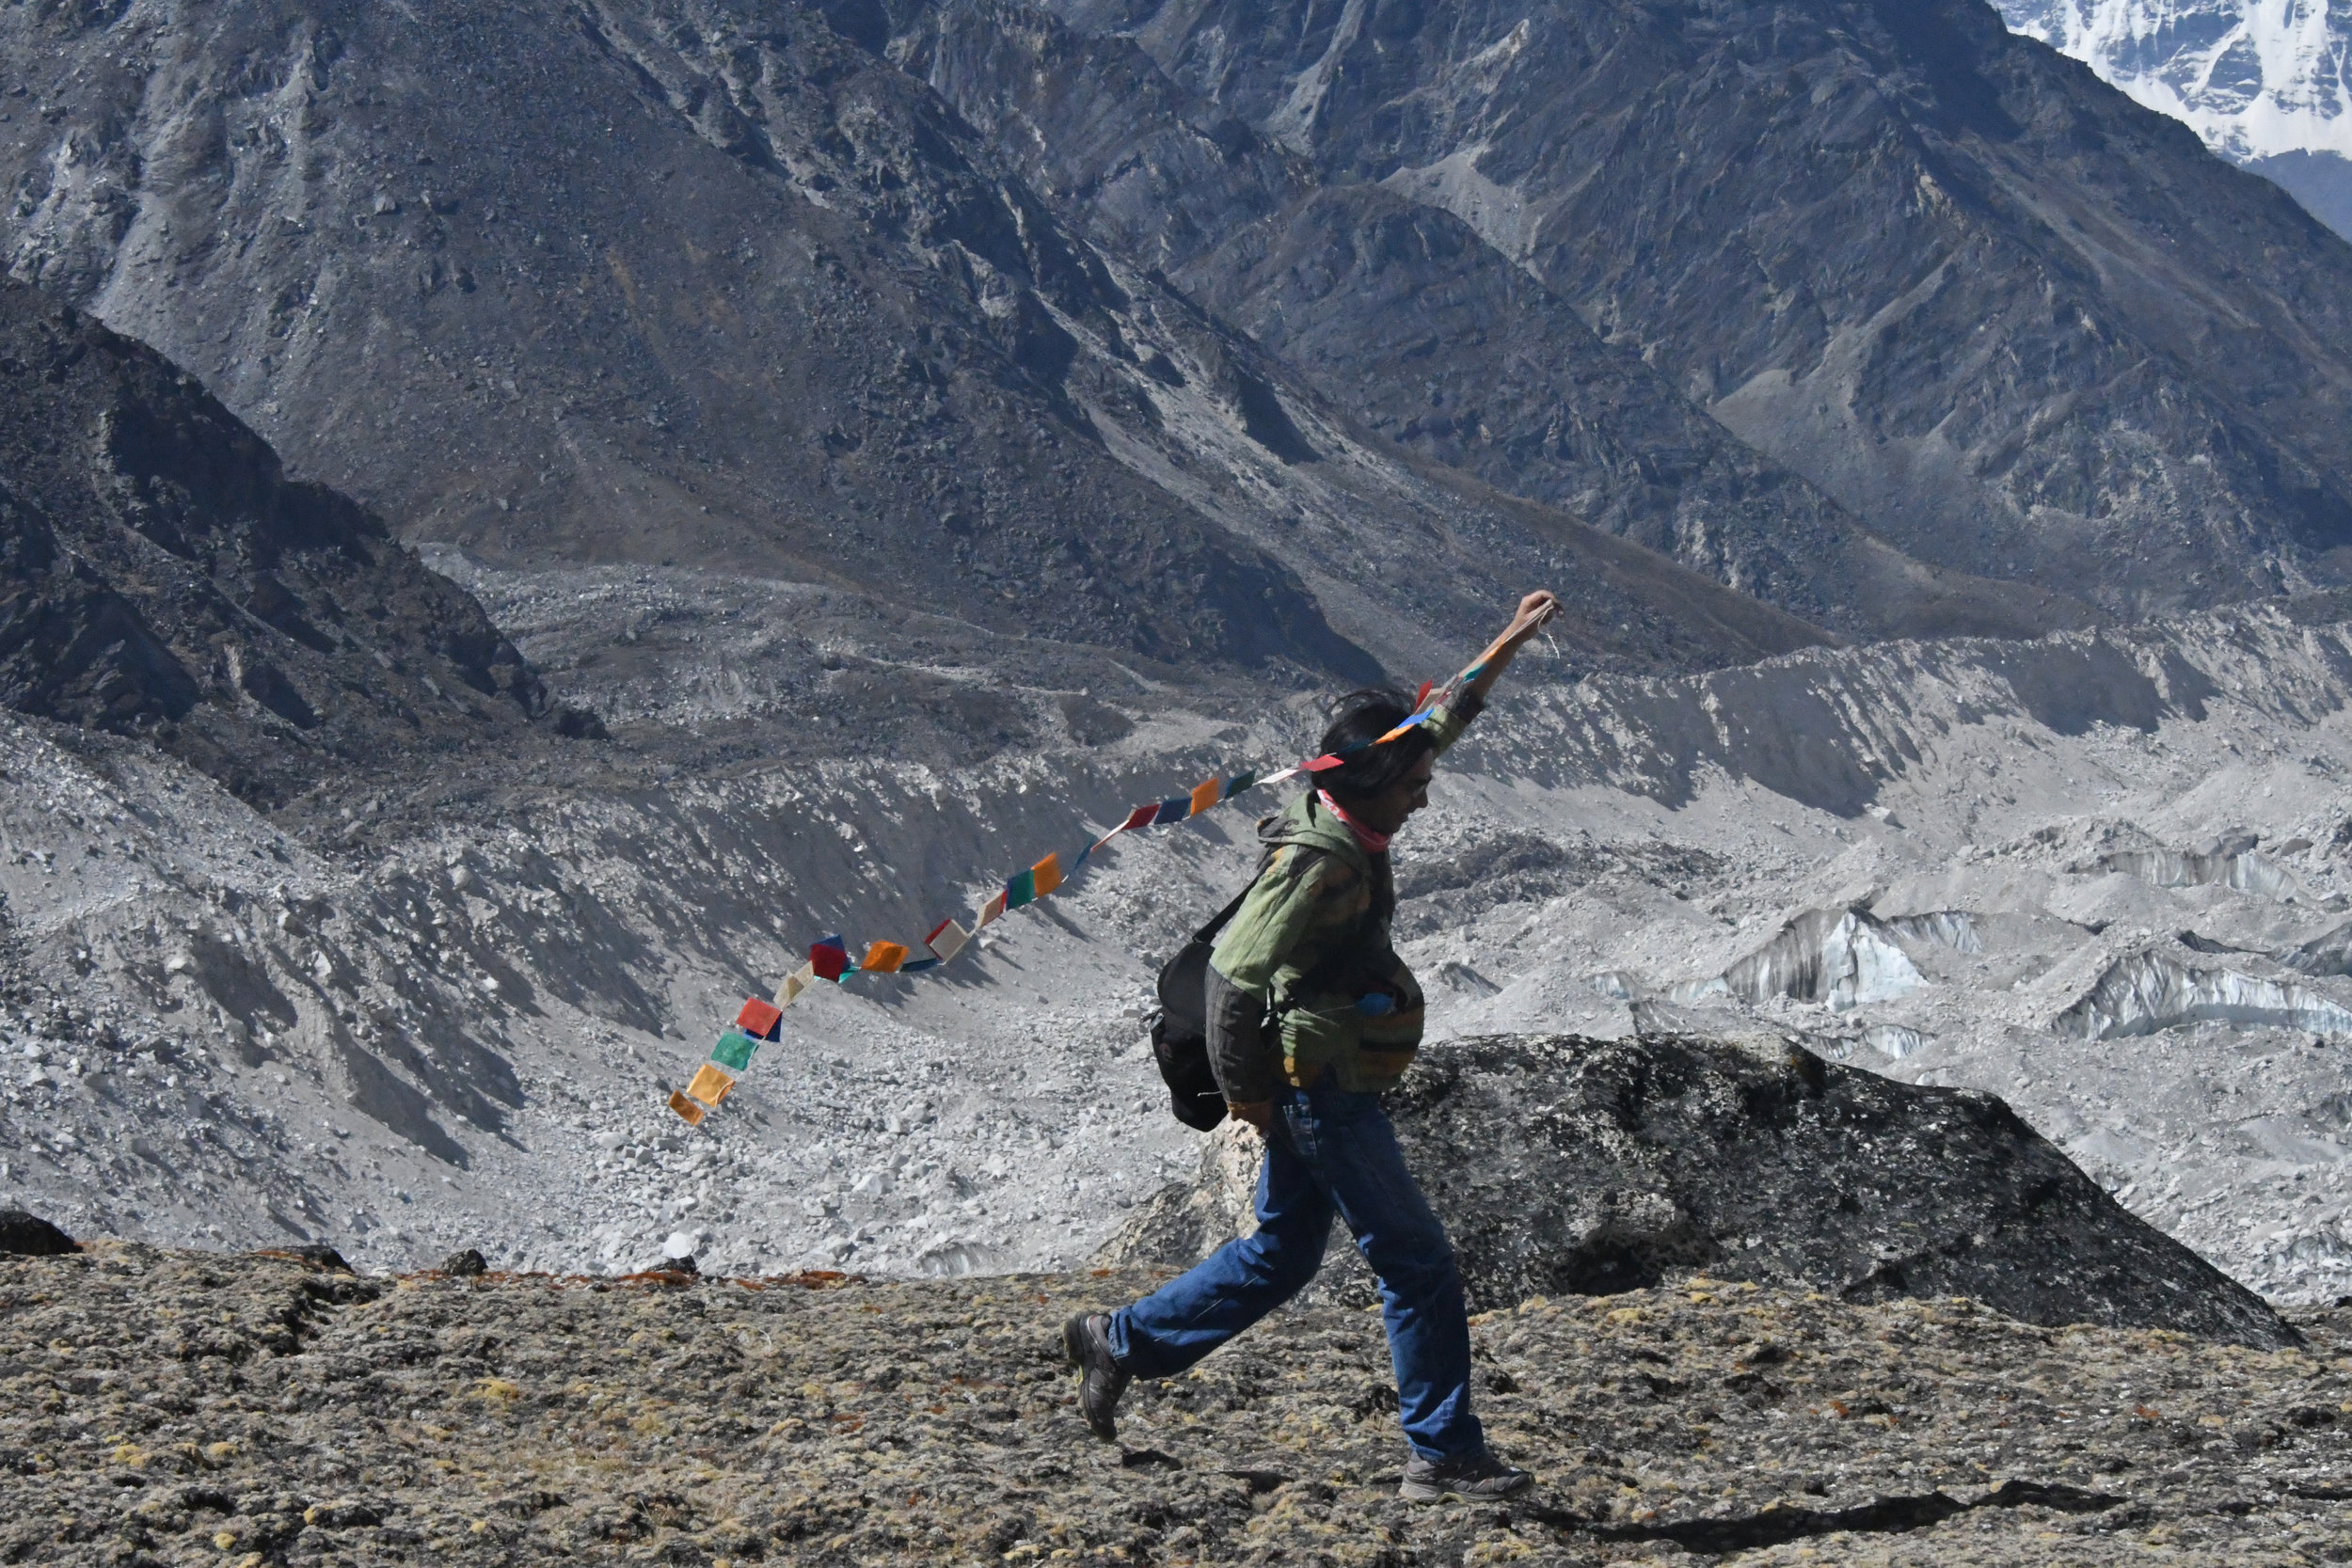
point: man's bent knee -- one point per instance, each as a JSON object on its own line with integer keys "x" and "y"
{"x": 1289, "y": 1263}
{"x": 1416, "y": 1274}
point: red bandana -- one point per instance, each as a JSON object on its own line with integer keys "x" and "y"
{"x": 1376, "y": 844}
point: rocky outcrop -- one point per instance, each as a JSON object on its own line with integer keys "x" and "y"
{"x": 26, "y": 1235}
{"x": 1564, "y": 1166}
{"x": 161, "y": 576}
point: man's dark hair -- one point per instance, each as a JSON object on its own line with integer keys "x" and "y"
{"x": 1366, "y": 716}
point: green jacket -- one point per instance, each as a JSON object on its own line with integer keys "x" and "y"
{"x": 1308, "y": 943}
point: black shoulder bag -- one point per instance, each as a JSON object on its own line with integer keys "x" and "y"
{"x": 1180, "y": 1030}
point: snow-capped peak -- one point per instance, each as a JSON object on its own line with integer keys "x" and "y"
{"x": 2255, "y": 78}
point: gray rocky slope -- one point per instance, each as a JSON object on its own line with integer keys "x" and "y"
{"x": 720, "y": 286}
{"x": 712, "y": 286}
{"x": 182, "y": 1407}
{"x": 2014, "y": 322}
{"x": 1411, "y": 319}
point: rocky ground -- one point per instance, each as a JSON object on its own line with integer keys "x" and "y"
{"x": 182, "y": 1407}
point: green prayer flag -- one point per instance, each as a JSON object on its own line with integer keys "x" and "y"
{"x": 1238, "y": 782}
{"x": 733, "y": 1051}
{"x": 1021, "y": 889}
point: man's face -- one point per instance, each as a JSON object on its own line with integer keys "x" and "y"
{"x": 1387, "y": 811}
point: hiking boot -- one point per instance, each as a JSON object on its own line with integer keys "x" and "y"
{"x": 1086, "y": 1340}
{"x": 1474, "y": 1477}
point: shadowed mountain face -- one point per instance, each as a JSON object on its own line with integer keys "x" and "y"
{"x": 2010, "y": 322}
{"x": 160, "y": 575}
{"x": 712, "y": 285}
{"x": 1405, "y": 316}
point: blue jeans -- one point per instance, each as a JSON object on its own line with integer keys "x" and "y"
{"x": 1331, "y": 1151}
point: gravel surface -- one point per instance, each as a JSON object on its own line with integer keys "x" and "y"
{"x": 172, "y": 1407}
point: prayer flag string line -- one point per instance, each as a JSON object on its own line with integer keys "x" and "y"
{"x": 761, "y": 1020}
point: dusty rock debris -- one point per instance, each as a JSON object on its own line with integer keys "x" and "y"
{"x": 178, "y": 1407}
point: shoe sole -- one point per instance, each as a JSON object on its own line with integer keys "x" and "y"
{"x": 1413, "y": 1493}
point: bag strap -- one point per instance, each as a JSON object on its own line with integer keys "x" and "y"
{"x": 1225, "y": 915}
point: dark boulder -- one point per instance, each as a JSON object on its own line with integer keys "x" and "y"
{"x": 321, "y": 1258}
{"x": 1563, "y": 1166}
{"x": 24, "y": 1235}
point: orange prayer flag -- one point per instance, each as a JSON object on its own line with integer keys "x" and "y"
{"x": 1048, "y": 874}
{"x": 710, "y": 1085}
{"x": 883, "y": 958}
{"x": 686, "y": 1108}
{"x": 1204, "y": 795}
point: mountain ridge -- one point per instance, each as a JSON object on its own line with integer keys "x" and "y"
{"x": 2267, "y": 86}
{"x": 710, "y": 285}
{"x": 2013, "y": 324}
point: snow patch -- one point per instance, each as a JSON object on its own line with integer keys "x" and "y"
{"x": 2254, "y": 78}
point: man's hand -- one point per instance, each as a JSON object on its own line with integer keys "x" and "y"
{"x": 1534, "y": 610}
{"x": 1257, "y": 1113}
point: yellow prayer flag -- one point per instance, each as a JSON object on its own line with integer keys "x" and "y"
{"x": 1048, "y": 874}
{"x": 710, "y": 1085}
{"x": 883, "y": 958}
{"x": 990, "y": 911}
{"x": 686, "y": 1108}
{"x": 790, "y": 991}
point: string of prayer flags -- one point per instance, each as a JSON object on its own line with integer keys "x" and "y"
{"x": 828, "y": 956}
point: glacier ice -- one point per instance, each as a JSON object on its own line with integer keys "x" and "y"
{"x": 1842, "y": 958}
{"x": 1893, "y": 1039}
{"x": 2144, "y": 992}
{"x": 2245, "y": 872}
{"x": 1954, "y": 928}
